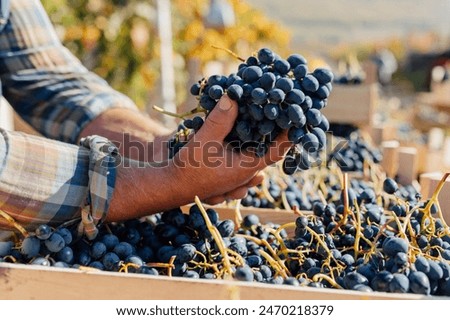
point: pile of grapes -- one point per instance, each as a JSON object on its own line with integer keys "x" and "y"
{"x": 351, "y": 244}
{"x": 351, "y": 152}
{"x": 273, "y": 94}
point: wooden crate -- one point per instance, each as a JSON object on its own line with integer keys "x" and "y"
{"x": 352, "y": 104}
{"x": 441, "y": 95}
{"x": 36, "y": 282}
{"x": 26, "y": 282}
{"x": 428, "y": 183}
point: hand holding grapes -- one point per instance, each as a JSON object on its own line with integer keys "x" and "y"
{"x": 217, "y": 171}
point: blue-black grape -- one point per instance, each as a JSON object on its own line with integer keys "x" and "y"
{"x": 218, "y": 80}
{"x": 295, "y": 96}
{"x": 207, "y": 103}
{"x": 226, "y": 228}
{"x": 65, "y": 255}
{"x": 310, "y": 142}
{"x": 215, "y": 92}
{"x": 310, "y": 83}
{"x": 235, "y": 92}
{"x": 195, "y": 89}
{"x": 66, "y": 234}
{"x": 285, "y": 84}
{"x": 5, "y": 248}
{"x": 30, "y": 247}
{"x": 271, "y": 111}
{"x": 98, "y": 250}
{"x": 390, "y": 186}
{"x": 296, "y": 134}
{"x": 313, "y": 117}
{"x": 321, "y": 137}
{"x": 265, "y": 127}
{"x": 55, "y": 242}
{"x": 43, "y": 232}
{"x": 296, "y": 59}
{"x": 354, "y": 278}
{"x": 296, "y": 115}
{"x": 276, "y": 96}
{"x": 419, "y": 282}
{"x": 289, "y": 165}
{"x": 123, "y": 250}
{"x": 266, "y": 56}
{"x": 244, "y": 273}
{"x": 256, "y": 112}
{"x": 41, "y": 261}
{"x": 282, "y": 66}
{"x": 252, "y": 74}
{"x": 323, "y": 75}
{"x": 110, "y": 241}
{"x": 259, "y": 96}
{"x": 267, "y": 81}
{"x": 392, "y": 245}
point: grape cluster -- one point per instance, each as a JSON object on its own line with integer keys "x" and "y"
{"x": 352, "y": 152}
{"x": 273, "y": 94}
{"x": 170, "y": 243}
{"x": 350, "y": 79}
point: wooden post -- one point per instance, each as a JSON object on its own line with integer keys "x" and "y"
{"x": 371, "y": 72}
{"x": 6, "y": 115}
{"x": 376, "y": 133}
{"x": 446, "y": 154}
{"x": 390, "y": 157}
{"x": 352, "y": 104}
{"x": 382, "y": 132}
{"x": 436, "y": 137}
{"x": 407, "y": 165}
{"x": 167, "y": 69}
{"x": 428, "y": 183}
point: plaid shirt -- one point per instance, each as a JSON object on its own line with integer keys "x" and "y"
{"x": 42, "y": 180}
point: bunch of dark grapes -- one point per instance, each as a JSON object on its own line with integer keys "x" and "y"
{"x": 350, "y": 79}
{"x": 352, "y": 151}
{"x": 273, "y": 94}
{"x": 403, "y": 249}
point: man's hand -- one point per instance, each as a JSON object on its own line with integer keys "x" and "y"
{"x": 205, "y": 167}
{"x": 213, "y": 170}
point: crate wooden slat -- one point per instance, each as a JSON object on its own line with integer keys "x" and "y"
{"x": 35, "y": 282}
{"x": 352, "y": 104}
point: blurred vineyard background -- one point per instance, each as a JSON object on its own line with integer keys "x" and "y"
{"x": 119, "y": 39}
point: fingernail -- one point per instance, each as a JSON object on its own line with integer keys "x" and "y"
{"x": 225, "y": 104}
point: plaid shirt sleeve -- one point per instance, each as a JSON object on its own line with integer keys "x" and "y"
{"x": 47, "y": 181}
{"x": 44, "y": 82}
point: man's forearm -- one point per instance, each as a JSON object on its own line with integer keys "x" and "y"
{"x": 138, "y": 136}
{"x": 144, "y": 189}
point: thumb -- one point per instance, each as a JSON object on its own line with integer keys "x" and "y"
{"x": 220, "y": 120}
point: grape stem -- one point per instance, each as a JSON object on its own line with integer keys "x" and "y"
{"x": 176, "y": 115}
{"x": 217, "y": 238}
{"x": 274, "y": 264}
{"x": 10, "y": 220}
{"x": 269, "y": 248}
{"x": 229, "y": 51}
{"x": 320, "y": 276}
{"x": 434, "y": 199}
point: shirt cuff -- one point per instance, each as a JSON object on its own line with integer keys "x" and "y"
{"x": 103, "y": 160}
